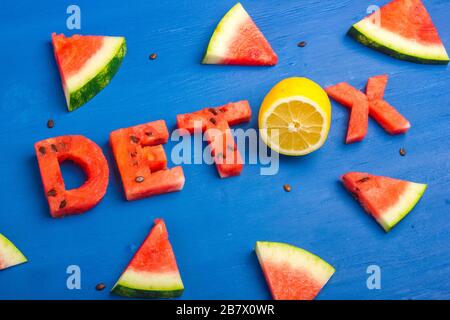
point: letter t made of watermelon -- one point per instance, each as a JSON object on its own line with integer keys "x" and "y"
{"x": 142, "y": 162}
{"x": 215, "y": 123}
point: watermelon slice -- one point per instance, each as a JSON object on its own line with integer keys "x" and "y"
{"x": 238, "y": 41}
{"x": 88, "y": 155}
{"x": 153, "y": 271}
{"x": 10, "y": 256}
{"x": 404, "y": 30}
{"x": 215, "y": 123}
{"x": 387, "y": 200}
{"x": 292, "y": 273}
{"x": 86, "y": 64}
{"x": 142, "y": 161}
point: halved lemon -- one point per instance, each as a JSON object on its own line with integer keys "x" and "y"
{"x": 295, "y": 117}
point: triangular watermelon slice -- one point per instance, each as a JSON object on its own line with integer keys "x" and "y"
{"x": 238, "y": 41}
{"x": 9, "y": 254}
{"x": 153, "y": 271}
{"x": 86, "y": 64}
{"x": 292, "y": 273}
{"x": 385, "y": 199}
{"x": 404, "y": 30}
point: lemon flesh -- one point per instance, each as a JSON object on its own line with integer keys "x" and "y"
{"x": 295, "y": 117}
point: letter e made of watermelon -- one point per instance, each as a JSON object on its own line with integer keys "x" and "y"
{"x": 83, "y": 152}
{"x": 215, "y": 123}
{"x": 142, "y": 162}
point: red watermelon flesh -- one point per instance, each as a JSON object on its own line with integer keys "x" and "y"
{"x": 226, "y": 156}
{"x": 215, "y": 123}
{"x": 344, "y": 93}
{"x": 155, "y": 254}
{"x": 292, "y": 273}
{"x": 359, "y": 115}
{"x": 376, "y": 86}
{"x": 234, "y": 113}
{"x": 388, "y": 117}
{"x": 85, "y": 153}
{"x": 386, "y": 199}
{"x": 381, "y": 111}
{"x": 153, "y": 271}
{"x": 142, "y": 162}
{"x": 359, "y": 118}
{"x": 238, "y": 41}
{"x": 415, "y": 24}
{"x": 72, "y": 53}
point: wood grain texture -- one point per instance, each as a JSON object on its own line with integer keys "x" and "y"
{"x": 213, "y": 223}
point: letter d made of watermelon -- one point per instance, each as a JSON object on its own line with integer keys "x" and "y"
{"x": 83, "y": 152}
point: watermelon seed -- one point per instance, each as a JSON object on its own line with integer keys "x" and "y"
{"x": 42, "y": 150}
{"x": 302, "y": 44}
{"x": 149, "y": 134}
{"x": 51, "y": 193}
{"x": 62, "y": 204}
{"x": 287, "y": 188}
{"x": 100, "y": 287}
{"x": 50, "y": 124}
{"x": 402, "y": 152}
{"x": 213, "y": 121}
{"x": 134, "y": 139}
{"x": 54, "y": 148}
{"x": 153, "y": 56}
{"x": 133, "y": 154}
{"x": 213, "y": 111}
{"x": 63, "y": 146}
{"x": 139, "y": 179}
{"x": 365, "y": 179}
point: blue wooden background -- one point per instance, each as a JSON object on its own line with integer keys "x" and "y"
{"x": 214, "y": 223}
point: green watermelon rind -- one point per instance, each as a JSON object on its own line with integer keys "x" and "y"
{"x": 134, "y": 288}
{"x": 409, "y": 200}
{"x": 126, "y": 291}
{"x": 369, "y": 40}
{"x": 89, "y": 90}
{"x": 213, "y": 52}
{"x": 318, "y": 267}
{"x": 10, "y": 253}
{"x": 289, "y": 247}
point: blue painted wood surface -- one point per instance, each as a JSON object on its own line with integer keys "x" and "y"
{"x": 214, "y": 223}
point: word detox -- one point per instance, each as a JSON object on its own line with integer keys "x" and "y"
{"x": 139, "y": 156}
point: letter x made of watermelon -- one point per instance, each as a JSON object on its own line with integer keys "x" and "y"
{"x": 372, "y": 103}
